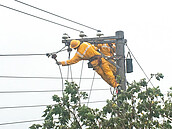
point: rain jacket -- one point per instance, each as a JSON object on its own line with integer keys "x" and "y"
{"x": 86, "y": 51}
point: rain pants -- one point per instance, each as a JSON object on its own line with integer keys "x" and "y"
{"x": 87, "y": 51}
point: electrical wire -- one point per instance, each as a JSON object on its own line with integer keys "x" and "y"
{"x": 91, "y": 88}
{"x": 31, "y": 54}
{"x": 30, "y": 106}
{"x": 20, "y": 122}
{"x": 22, "y": 54}
{"x": 34, "y": 106}
{"x": 27, "y": 121}
{"x": 61, "y": 78}
{"x": 69, "y": 68}
{"x": 27, "y": 77}
{"x": 56, "y": 15}
{"x": 43, "y": 91}
{"x": 139, "y": 65}
{"x": 39, "y": 17}
{"x": 81, "y": 73}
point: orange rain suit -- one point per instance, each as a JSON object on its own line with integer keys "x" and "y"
{"x": 108, "y": 51}
{"x": 86, "y": 51}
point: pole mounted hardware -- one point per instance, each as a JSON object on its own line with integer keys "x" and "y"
{"x": 99, "y": 33}
{"x": 82, "y": 34}
{"x": 65, "y": 36}
{"x": 97, "y": 40}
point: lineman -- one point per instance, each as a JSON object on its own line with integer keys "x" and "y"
{"x": 108, "y": 51}
{"x": 86, "y": 51}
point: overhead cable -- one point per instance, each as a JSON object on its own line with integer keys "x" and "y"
{"x": 22, "y": 54}
{"x": 31, "y": 54}
{"x": 23, "y": 106}
{"x": 56, "y": 15}
{"x": 139, "y": 65}
{"x": 20, "y": 122}
{"x": 27, "y": 77}
{"x": 91, "y": 88}
{"x": 39, "y": 18}
{"x": 43, "y": 91}
{"x": 33, "y": 106}
{"x": 61, "y": 78}
{"x": 81, "y": 73}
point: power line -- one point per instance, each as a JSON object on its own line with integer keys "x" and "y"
{"x": 22, "y": 54}
{"x": 91, "y": 88}
{"x": 20, "y": 122}
{"x": 81, "y": 73}
{"x": 27, "y": 77}
{"x": 56, "y": 15}
{"x": 39, "y": 91}
{"x": 40, "y": 54}
{"x": 39, "y": 18}
{"x": 27, "y": 121}
{"x": 139, "y": 65}
{"x": 33, "y": 106}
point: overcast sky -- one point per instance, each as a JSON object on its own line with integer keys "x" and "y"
{"x": 146, "y": 25}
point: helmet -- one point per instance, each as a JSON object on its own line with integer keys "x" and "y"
{"x": 74, "y": 43}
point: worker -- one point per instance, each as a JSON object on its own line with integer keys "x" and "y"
{"x": 108, "y": 50}
{"x": 86, "y": 51}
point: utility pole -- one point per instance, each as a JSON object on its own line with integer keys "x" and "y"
{"x": 120, "y": 53}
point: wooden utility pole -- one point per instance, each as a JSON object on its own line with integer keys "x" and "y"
{"x": 120, "y": 53}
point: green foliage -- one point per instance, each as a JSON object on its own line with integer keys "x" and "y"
{"x": 139, "y": 107}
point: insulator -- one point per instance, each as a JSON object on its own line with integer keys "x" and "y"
{"x": 82, "y": 34}
{"x": 99, "y": 33}
{"x": 65, "y": 36}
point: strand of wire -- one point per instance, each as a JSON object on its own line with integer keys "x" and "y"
{"x": 30, "y": 54}
{"x": 71, "y": 73}
{"x": 69, "y": 69}
{"x": 91, "y": 88}
{"x": 18, "y": 122}
{"x": 34, "y": 106}
{"x": 61, "y": 78}
{"x": 81, "y": 73}
{"x": 39, "y": 18}
{"x": 44, "y": 91}
{"x": 28, "y": 77}
{"x": 139, "y": 65}
{"x": 80, "y": 79}
{"x": 55, "y": 15}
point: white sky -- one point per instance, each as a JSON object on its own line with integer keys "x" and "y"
{"x": 146, "y": 25}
